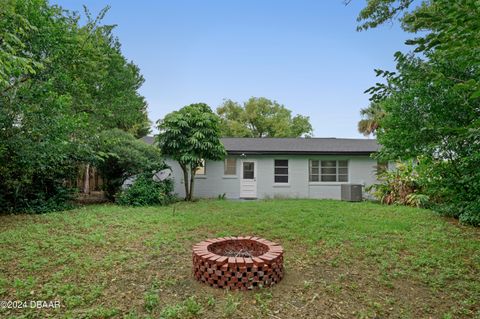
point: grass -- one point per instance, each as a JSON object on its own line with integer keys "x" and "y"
{"x": 343, "y": 260}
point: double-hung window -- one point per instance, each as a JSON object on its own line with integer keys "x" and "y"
{"x": 328, "y": 171}
{"x": 230, "y": 166}
{"x": 281, "y": 171}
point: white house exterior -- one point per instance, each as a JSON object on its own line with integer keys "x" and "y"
{"x": 283, "y": 168}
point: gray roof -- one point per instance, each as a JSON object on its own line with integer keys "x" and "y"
{"x": 148, "y": 139}
{"x": 238, "y": 145}
{"x": 299, "y": 145}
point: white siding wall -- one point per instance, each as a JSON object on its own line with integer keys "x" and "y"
{"x": 361, "y": 171}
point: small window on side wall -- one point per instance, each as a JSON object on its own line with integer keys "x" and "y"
{"x": 201, "y": 170}
{"x": 230, "y": 166}
{"x": 281, "y": 171}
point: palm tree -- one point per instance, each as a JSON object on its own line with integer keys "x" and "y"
{"x": 372, "y": 116}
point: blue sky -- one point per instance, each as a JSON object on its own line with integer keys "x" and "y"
{"x": 305, "y": 54}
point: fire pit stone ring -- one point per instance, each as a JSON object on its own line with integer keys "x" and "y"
{"x": 238, "y": 263}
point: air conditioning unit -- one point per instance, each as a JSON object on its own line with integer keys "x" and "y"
{"x": 352, "y": 192}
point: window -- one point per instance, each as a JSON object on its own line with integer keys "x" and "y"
{"x": 281, "y": 171}
{"x": 248, "y": 170}
{"x": 314, "y": 171}
{"x": 328, "y": 171}
{"x": 201, "y": 169}
{"x": 230, "y": 166}
{"x": 342, "y": 171}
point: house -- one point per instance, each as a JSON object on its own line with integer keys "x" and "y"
{"x": 283, "y": 167}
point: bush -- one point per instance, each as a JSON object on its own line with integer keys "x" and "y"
{"x": 145, "y": 191}
{"x": 400, "y": 186}
{"x": 466, "y": 212}
{"x": 121, "y": 155}
{"x": 434, "y": 185}
{"x": 43, "y": 195}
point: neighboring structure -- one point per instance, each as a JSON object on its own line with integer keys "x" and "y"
{"x": 283, "y": 167}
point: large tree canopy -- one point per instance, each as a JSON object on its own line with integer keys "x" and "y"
{"x": 61, "y": 84}
{"x": 431, "y": 104}
{"x": 191, "y": 136}
{"x": 261, "y": 117}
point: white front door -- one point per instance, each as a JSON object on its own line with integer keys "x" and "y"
{"x": 248, "y": 179}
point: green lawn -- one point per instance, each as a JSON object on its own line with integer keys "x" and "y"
{"x": 343, "y": 260}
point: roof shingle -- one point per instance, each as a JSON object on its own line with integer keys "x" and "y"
{"x": 237, "y": 145}
{"x": 300, "y": 145}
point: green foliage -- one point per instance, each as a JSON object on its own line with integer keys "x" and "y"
{"x": 261, "y": 117}
{"x": 372, "y": 116}
{"x": 151, "y": 300}
{"x": 120, "y": 156}
{"x": 60, "y": 84}
{"x": 231, "y": 305}
{"x": 400, "y": 186}
{"x": 147, "y": 192}
{"x": 377, "y": 12}
{"x": 190, "y": 136}
{"x": 431, "y": 103}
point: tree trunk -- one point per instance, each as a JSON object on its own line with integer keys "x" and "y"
{"x": 185, "y": 180}
{"x": 192, "y": 180}
{"x": 86, "y": 180}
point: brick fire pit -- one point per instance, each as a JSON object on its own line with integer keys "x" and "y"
{"x": 238, "y": 262}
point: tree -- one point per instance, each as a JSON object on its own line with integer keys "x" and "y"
{"x": 372, "y": 116}
{"x": 191, "y": 136}
{"x": 431, "y": 103}
{"x": 120, "y": 155}
{"x": 61, "y": 84}
{"x": 261, "y": 117}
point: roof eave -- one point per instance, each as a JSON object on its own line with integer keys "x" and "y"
{"x": 234, "y": 152}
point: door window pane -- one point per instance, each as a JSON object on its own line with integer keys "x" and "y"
{"x": 248, "y": 170}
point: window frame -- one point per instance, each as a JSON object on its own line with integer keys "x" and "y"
{"x": 275, "y": 174}
{"x": 319, "y": 166}
{"x": 204, "y": 167}
{"x": 225, "y": 166}
{"x": 254, "y": 171}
